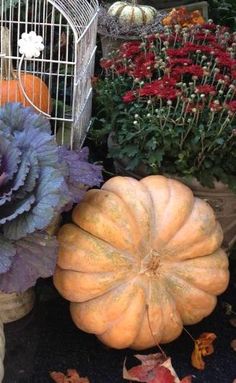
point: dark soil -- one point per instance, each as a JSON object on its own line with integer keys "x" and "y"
{"x": 47, "y": 340}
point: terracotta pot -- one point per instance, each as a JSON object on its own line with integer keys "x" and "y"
{"x": 2, "y": 351}
{"x": 221, "y": 198}
{"x": 14, "y": 306}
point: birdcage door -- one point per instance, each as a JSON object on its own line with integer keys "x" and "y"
{"x": 43, "y": 79}
{"x": 47, "y": 58}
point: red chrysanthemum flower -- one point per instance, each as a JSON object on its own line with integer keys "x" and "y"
{"x": 162, "y": 88}
{"x": 130, "y": 49}
{"x": 202, "y": 36}
{"x": 177, "y": 52}
{"x": 215, "y": 106}
{"x": 194, "y": 70}
{"x": 233, "y": 74}
{"x": 231, "y": 106}
{"x": 225, "y": 78}
{"x": 120, "y": 68}
{"x": 192, "y": 107}
{"x": 205, "y": 89}
{"x": 223, "y": 59}
{"x": 106, "y": 63}
{"x": 209, "y": 26}
{"x": 129, "y": 96}
{"x": 143, "y": 71}
{"x": 144, "y": 58}
{"x": 180, "y": 61}
{"x": 168, "y": 93}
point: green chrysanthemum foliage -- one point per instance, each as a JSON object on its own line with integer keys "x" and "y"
{"x": 37, "y": 182}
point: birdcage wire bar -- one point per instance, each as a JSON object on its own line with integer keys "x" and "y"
{"x": 66, "y": 65}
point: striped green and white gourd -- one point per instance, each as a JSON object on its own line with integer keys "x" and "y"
{"x": 132, "y": 13}
{"x": 2, "y": 351}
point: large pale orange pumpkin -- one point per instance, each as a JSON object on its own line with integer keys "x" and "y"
{"x": 141, "y": 259}
{"x": 10, "y": 89}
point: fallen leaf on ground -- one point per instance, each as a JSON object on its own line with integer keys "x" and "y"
{"x": 71, "y": 376}
{"x": 232, "y": 321}
{"x": 154, "y": 368}
{"x": 233, "y": 344}
{"x": 202, "y": 347}
{"x": 228, "y": 308}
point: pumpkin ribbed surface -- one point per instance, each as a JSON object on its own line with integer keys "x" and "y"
{"x": 141, "y": 259}
{"x": 131, "y": 13}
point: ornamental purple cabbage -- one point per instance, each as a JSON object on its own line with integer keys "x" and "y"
{"x": 38, "y": 180}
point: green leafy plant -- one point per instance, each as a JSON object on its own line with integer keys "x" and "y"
{"x": 223, "y": 12}
{"x": 170, "y": 104}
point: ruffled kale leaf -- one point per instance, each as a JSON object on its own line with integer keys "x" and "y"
{"x": 7, "y": 252}
{"x": 38, "y": 180}
{"x": 33, "y": 188}
{"x": 15, "y": 118}
{"x": 35, "y": 256}
{"x": 79, "y": 173}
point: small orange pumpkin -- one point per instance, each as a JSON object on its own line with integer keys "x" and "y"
{"x": 141, "y": 259}
{"x": 10, "y": 90}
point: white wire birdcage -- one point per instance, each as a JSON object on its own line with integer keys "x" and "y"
{"x": 66, "y": 64}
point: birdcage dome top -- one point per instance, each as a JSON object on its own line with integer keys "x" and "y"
{"x": 78, "y": 13}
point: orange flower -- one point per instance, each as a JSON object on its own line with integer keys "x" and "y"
{"x": 183, "y": 17}
{"x": 202, "y": 347}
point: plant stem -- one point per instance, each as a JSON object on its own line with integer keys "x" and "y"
{"x": 150, "y": 327}
{"x": 189, "y": 334}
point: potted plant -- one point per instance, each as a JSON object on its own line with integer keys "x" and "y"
{"x": 38, "y": 181}
{"x": 130, "y": 20}
{"x": 170, "y": 104}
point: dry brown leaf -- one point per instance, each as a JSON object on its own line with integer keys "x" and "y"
{"x": 202, "y": 347}
{"x": 232, "y": 321}
{"x": 233, "y": 344}
{"x": 71, "y": 376}
{"x": 153, "y": 368}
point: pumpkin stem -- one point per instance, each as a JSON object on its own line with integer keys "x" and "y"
{"x": 150, "y": 327}
{"x": 6, "y": 70}
{"x": 189, "y": 334}
{"x": 134, "y": 2}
